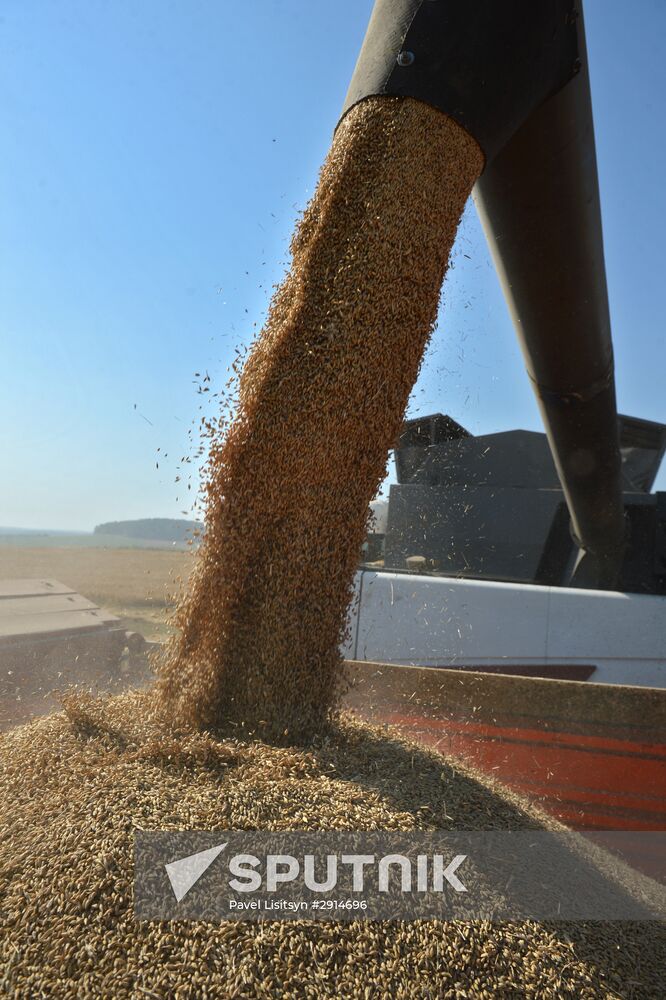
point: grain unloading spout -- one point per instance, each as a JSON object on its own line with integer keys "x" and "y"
{"x": 515, "y": 76}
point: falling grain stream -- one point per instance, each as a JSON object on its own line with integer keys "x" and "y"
{"x": 322, "y": 397}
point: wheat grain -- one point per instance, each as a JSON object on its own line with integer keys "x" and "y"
{"x": 321, "y": 400}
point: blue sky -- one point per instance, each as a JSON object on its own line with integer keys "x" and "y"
{"x": 153, "y": 157}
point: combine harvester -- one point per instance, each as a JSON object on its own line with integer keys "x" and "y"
{"x": 532, "y": 638}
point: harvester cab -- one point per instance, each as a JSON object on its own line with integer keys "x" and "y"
{"x": 491, "y": 507}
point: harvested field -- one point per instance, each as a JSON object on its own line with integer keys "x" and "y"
{"x": 321, "y": 401}
{"x": 74, "y": 786}
{"x": 135, "y": 584}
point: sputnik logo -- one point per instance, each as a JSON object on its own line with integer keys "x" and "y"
{"x": 186, "y": 872}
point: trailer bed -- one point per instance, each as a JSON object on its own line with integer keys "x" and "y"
{"x": 50, "y": 638}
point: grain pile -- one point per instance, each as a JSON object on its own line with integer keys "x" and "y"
{"x": 321, "y": 400}
{"x": 74, "y": 786}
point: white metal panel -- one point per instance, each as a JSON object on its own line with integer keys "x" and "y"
{"x": 611, "y": 624}
{"x": 23, "y": 587}
{"x": 624, "y": 635}
{"x": 441, "y": 621}
{"x": 11, "y": 607}
{"x": 348, "y": 648}
{"x": 52, "y": 624}
{"x": 379, "y": 519}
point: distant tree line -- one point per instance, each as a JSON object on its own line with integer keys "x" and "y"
{"x": 163, "y": 529}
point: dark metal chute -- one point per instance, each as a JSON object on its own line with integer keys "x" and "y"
{"x": 514, "y": 75}
{"x": 539, "y": 203}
